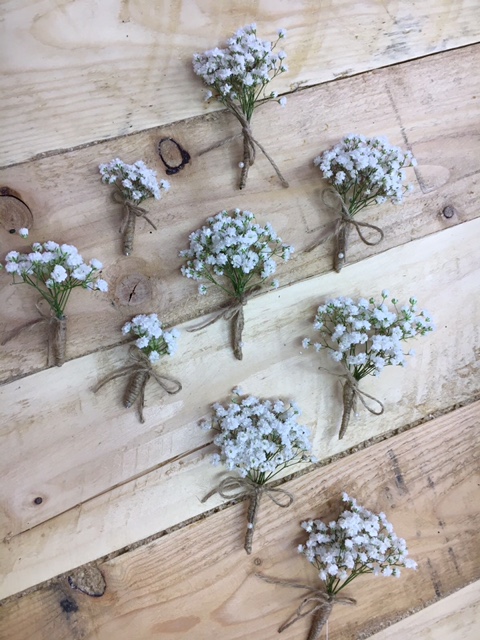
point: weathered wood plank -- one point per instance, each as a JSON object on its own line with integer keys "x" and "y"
{"x": 67, "y": 446}
{"x": 198, "y": 582}
{"x": 430, "y": 103}
{"x": 76, "y": 72}
{"x": 456, "y": 617}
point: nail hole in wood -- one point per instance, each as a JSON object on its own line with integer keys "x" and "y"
{"x": 38, "y": 500}
{"x": 448, "y": 212}
{"x": 68, "y": 605}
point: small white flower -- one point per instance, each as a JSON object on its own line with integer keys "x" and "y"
{"x": 101, "y": 285}
{"x": 23, "y": 232}
{"x": 282, "y": 102}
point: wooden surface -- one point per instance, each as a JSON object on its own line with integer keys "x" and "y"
{"x": 423, "y": 116}
{"x": 87, "y": 81}
{"x": 79, "y": 71}
{"x": 456, "y": 617}
{"x": 99, "y": 457}
{"x": 198, "y": 581}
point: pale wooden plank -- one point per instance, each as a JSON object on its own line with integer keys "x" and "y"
{"x": 456, "y": 617}
{"x": 96, "y": 444}
{"x": 197, "y": 581}
{"x": 70, "y": 204}
{"x": 76, "y": 72}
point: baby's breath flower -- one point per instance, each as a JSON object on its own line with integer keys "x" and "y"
{"x": 54, "y": 270}
{"x": 236, "y": 254}
{"x": 365, "y": 337}
{"x": 23, "y": 232}
{"x": 154, "y": 341}
{"x": 136, "y": 182}
{"x": 365, "y": 170}
{"x": 259, "y": 438}
{"x": 238, "y": 76}
{"x": 359, "y": 542}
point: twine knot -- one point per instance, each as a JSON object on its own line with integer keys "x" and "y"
{"x": 232, "y": 487}
{"x": 318, "y": 604}
{"x": 140, "y": 371}
{"x": 339, "y": 229}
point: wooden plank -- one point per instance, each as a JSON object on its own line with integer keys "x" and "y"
{"x": 198, "y": 582}
{"x": 76, "y": 72}
{"x": 456, "y": 617}
{"x": 70, "y": 204}
{"x": 96, "y": 444}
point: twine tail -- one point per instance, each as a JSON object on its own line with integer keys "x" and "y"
{"x": 251, "y": 520}
{"x": 320, "y": 618}
{"x": 238, "y": 323}
{"x": 57, "y": 341}
{"x": 349, "y": 394}
{"x": 341, "y": 241}
{"x": 128, "y": 231}
{"x": 273, "y": 163}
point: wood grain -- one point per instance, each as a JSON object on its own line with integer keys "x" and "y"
{"x": 198, "y": 582}
{"x": 79, "y": 71}
{"x": 456, "y": 617}
{"x": 429, "y": 105}
{"x": 72, "y": 449}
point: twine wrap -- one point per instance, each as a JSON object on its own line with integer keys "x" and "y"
{"x": 233, "y": 487}
{"x": 352, "y": 393}
{"x": 318, "y": 604}
{"x": 340, "y": 230}
{"x": 131, "y": 211}
{"x": 140, "y": 372}
{"x": 57, "y": 335}
{"x": 249, "y": 143}
{"x": 233, "y": 312}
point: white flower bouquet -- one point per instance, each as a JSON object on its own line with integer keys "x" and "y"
{"x": 357, "y": 543}
{"x": 152, "y": 343}
{"x": 257, "y": 439}
{"x": 365, "y": 336}
{"x": 238, "y": 76}
{"x": 362, "y": 172}
{"x": 235, "y": 254}
{"x": 54, "y": 271}
{"x": 134, "y": 183}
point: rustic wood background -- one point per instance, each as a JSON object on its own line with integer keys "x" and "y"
{"x": 87, "y": 80}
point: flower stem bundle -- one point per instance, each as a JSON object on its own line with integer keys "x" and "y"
{"x": 134, "y": 183}
{"x": 238, "y": 76}
{"x": 235, "y": 254}
{"x": 152, "y": 343}
{"x": 257, "y": 439}
{"x": 365, "y": 336}
{"x": 362, "y": 172}
{"x": 54, "y": 271}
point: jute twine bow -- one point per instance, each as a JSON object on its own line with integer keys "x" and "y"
{"x": 233, "y": 312}
{"x": 318, "y": 604}
{"x": 249, "y": 143}
{"x": 140, "y": 372}
{"x": 57, "y": 335}
{"x": 352, "y": 393}
{"x": 234, "y": 487}
{"x": 131, "y": 211}
{"x": 340, "y": 229}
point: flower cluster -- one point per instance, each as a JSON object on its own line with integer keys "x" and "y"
{"x": 54, "y": 270}
{"x": 154, "y": 341}
{"x": 358, "y": 542}
{"x": 365, "y": 171}
{"x": 136, "y": 182}
{"x": 259, "y": 438}
{"x": 366, "y": 335}
{"x": 234, "y": 247}
{"x": 242, "y": 70}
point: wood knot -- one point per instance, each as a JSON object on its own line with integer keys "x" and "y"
{"x": 133, "y": 289}
{"x": 88, "y": 580}
{"x": 15, "y": 214}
